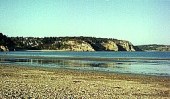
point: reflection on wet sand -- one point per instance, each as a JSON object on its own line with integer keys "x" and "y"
{"x": 151, "y": 67}
{"x": 70, "y": 63}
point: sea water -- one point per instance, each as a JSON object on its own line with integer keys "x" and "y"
{"x": 145, "y": 63}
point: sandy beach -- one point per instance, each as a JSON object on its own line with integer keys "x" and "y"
{"x": 20, "y": 82}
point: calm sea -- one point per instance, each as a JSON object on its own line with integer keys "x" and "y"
{"x": 146, "y": 63}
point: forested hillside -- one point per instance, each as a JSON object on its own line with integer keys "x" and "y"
{"x": 154, "y": 47}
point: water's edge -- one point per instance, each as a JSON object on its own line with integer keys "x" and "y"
{"x": 144, "y": 66}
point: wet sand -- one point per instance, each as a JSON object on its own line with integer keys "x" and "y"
{"x": 37, "y": 82}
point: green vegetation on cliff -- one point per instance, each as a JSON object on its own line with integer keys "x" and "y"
{"x": 5, "y": 43}
{"x": 72, "y": 44}
{"x": 68, "y": 44}
{"x": 154, "y": 47}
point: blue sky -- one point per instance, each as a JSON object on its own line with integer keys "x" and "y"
{"x": 139, "y": 21}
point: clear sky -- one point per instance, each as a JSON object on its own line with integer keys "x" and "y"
{"x": 138, "y": 21}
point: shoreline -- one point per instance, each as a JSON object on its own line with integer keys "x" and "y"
{"x": 92, "y": 62}
{"x": 40, "y": 82}
{"x": 83, "y": 58}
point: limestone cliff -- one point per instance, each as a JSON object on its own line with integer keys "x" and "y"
{"x": 125, "y": 45}
{"x": 76, "y": 45}
{"x": 71, "y": 44}
{"x": 106, "y": 45}
{"x": 110, "y": 46}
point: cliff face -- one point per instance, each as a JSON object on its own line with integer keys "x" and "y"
{"x": 110, "y": 46}
{"x": 72, "y": 44}
{"x": 64, "y": 44}
{"x": 76, "y": 45}
{"x": 125, "y": 46}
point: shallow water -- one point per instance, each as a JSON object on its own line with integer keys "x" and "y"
{"x": 148, "y": 65}
{"x": 102, "y": 54}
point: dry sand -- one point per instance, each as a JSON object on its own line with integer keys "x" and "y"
{"x": 20, "y": 82}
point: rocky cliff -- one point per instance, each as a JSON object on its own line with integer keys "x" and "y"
{"x": 125, "y": 45}
{"x": 73, "y": 44}
{"x": 107, "y": 45}
{"x": 110, "y": 46}
{"x": 65, "y": 44}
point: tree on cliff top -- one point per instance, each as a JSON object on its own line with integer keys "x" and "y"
{"x": 5, "y": 41}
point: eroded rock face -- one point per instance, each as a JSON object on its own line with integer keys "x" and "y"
{"x": 72, "y": 44}
{"x": 110, "y": 46}
{"x": 80, "y": 45}
{"x": 3, "y": 48}
{"x": 76, "y": 45}
{"x": 125, "y": 46}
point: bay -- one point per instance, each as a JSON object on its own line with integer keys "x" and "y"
{"x": 145, "y": 63}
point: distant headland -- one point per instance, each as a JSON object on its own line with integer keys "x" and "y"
{"x": 67, "y": 44}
